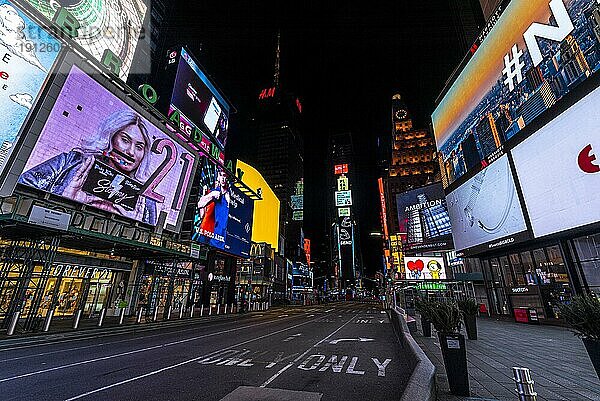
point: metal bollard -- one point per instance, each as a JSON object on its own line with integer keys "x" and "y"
{"x": 192, "y": 311}
{"x": 522, "y": 377}
{"x": 13, "y": 323}
{"x": 218, "y": 308}
{"x": 169, "y": 313}
{"x": 77, "y": 319}
{"x": 102, "y": 314}
{"x": 201, "y": 310}
{"x": 181, "y": 311}
{"x": 48, "y": 320}
{"x": 139, "y": 317}
{"x": 155, "y": 317}
{"x": 209, "y": 309}
{"x": 122, "y": 316}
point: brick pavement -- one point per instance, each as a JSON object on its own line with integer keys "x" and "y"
{"x": 557, "y": 359}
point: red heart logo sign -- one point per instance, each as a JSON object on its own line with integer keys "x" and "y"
{"x": 417, "y": 265}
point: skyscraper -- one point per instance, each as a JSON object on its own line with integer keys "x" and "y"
{"x": 488, "y": 136}
{"x": 537, "y": 102}
{"x": 412, "y": 161}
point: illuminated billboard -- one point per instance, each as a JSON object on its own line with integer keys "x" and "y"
{"x": 297, "y": 202}
{"x": 424, "y": 223}
{"x": 343, "y": 198}
{"x": 535, "y": 53}
{"x": 559, "y": 169}
{"x": 97, "y": 150}
{"x": 383, "y": 208}
{"x": 340, "y": 169}
{"x": 298, "y": 215}
{"x": 265, "y": 220}
{"x": 424, "y": 268}
{"x": 223, "y": 215}
{"x": 485, "y": 212}
{"x": 24, "y": 68}
{"x": 114, "y": 26}
{"x": 344, "y": 212}
{"x": 197, "y": 100}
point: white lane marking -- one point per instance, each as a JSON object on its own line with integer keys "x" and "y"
{"x": 328, "y": 310}
{"x": 352, "y": 366}
{"x": 283, "y": 316}
{"x": 181, "y": 363}
{"x": 85, "y": 362}
{"x": 280, "y": 358}
{"x": 290, "y": 338}
{"x": 334, "y": 364}
{"x": 359, "y": 339}
{"x": 314, "y": 365}
{"x": 286, "y": 367}
{"x": 381, "y": 366}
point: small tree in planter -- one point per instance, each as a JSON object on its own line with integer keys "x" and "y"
{"x": 445, "y": 317}
{"x": 583, "y": 315}
{"x": 469, "y": 309}
{"x": 422, "y": 307}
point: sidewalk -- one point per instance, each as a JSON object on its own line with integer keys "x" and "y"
{"x": 557, "y": 359}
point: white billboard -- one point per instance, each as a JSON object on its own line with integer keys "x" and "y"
{"x": 486, "y": 208}
{"x": 343, "y": 198}
{"x": 425, "y": 268}
{"x": 559, "y": 169}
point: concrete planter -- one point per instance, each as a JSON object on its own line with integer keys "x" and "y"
{"x": 454, "y": 352}
{"x": 593, "y": 349}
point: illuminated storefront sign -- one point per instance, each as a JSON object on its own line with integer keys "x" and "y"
{"x": 344, "y": 212}
{"x": 342, "y": 184}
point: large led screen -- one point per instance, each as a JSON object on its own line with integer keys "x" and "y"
{"x": 425, "y": 268}
{"x": 27, "y": 54}
{"x": 96, "y": 150}
{"x": 199, "y": 102}
{"x": 424, "y": 223}
{"x": 104, "y": 25}
{"x": 559, "y": 169}
{"x": 537, "y": 51}
{"x": 223, "y": 216}
{"x": 486, "y": 210}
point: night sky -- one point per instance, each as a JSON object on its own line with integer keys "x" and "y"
{"x": 345, "y": 59}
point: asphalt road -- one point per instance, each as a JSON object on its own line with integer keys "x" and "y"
{"x": 343, "y": 351}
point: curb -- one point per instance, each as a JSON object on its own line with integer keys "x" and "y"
{"x": 421, "y": 384}
{"x": 32, "y": 339}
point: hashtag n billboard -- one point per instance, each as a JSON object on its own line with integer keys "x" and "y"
{"x": 535, "y": 53}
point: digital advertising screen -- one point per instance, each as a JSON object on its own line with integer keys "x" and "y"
{"x": 265, "y": 219}
{"x": 559, "y": 169}
{"x": 199, "y": 102}
{"x": 485, "y": 212}
{"x": 343, "y": 198}
{"x": 223, "y": 216}
{"x": 24, "y": 67}
{"x": 424, "y": 268}
{"x": 97, "y": 150}
{"x": 535, "y": 53}
{"x": 114, "y": 25}
{"x": 424, "y": 222}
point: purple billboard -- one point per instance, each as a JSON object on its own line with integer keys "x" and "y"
{"x": 96, "y": 150}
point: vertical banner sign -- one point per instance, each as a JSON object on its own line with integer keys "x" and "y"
{"x": 383, "y": 208}
{"x": 27, "y": 54}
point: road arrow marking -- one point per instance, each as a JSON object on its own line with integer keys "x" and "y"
{"x": 359, "y": 339}
{"x": 290, "y": 338}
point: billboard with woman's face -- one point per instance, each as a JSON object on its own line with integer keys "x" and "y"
{"x": 97, "y": 150}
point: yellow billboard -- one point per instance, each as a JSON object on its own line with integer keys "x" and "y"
{"x": 265, "y": 224}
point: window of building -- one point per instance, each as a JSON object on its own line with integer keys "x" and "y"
{"x": 588, "y": 250}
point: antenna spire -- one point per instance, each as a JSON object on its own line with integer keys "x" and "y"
{"x": 277, "y": 60}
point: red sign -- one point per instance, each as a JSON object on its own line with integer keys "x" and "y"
{"x": 267, "y": 93}
{"x": 340, "y": 169}
{"x": 383, "y": 209}
{"x": 521, "y": 315}
{"x": 299, "y": 105}
{"x": 307, "y": 250}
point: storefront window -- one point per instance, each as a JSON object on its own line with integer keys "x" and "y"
{"x": 529, "y": 268}
{"x": 541, "y": 263}
{"x": 518, "y": 270}
{"x": 588, "y": 250}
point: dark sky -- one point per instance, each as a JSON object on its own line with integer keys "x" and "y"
{"x": 345, "y": 59}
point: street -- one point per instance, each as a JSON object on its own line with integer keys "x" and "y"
{"x": 342, "y": 351}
